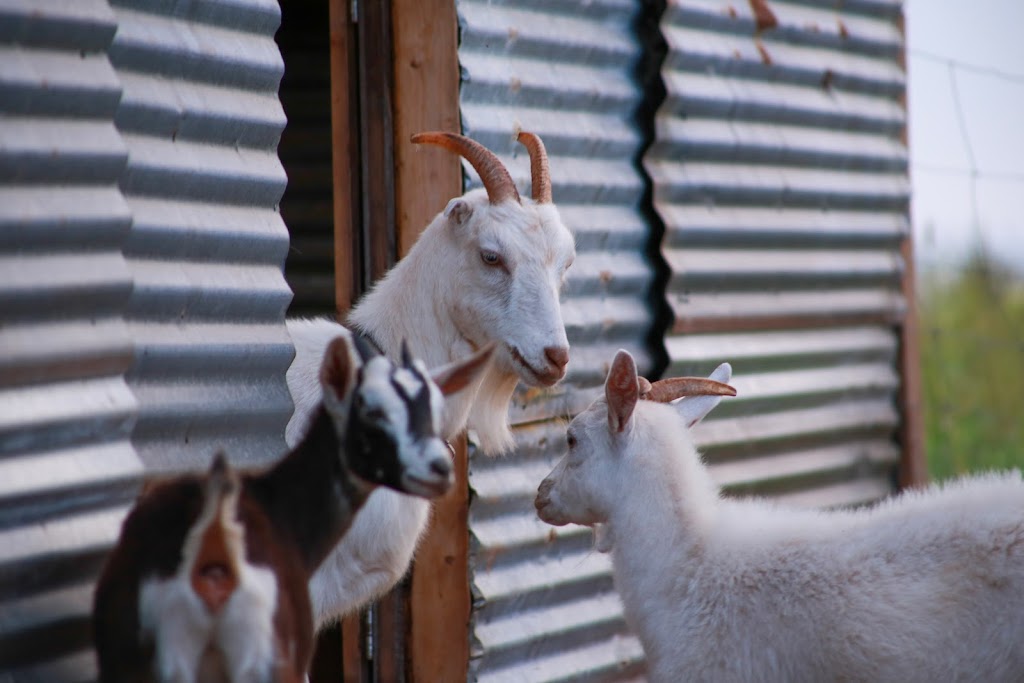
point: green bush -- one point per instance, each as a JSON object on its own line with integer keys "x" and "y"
{"x": 972, "y": 364}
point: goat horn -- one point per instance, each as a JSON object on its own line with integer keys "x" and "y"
{"x": 492, "y": 172}
{"x": 668, "y": 390}
{"x": 540, "y": 171}
{"x": 406, "y": 355}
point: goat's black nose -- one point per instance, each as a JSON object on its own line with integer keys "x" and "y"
{"x": 558, "y": 355}
{"x": 441, "y": 467}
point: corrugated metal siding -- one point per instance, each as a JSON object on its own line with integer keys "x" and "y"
{"x": 781, "y": 177}
{"x": 67, "y": 467}
{"x": 201, "y": 120}
{"x": 545, "y": 606}
{"x": 305, "y": 151}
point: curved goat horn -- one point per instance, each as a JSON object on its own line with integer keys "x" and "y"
{"x": 492, "y": 172}
{"x": 540, "y": 171}
{"x": 668, "y": 390}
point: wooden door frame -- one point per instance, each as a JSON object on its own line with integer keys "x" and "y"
{"x": 395, "y": 72}
{"x": 913, "y": 463}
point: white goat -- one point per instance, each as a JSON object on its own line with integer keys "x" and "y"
{"x": 928, "y": 586}
{"x": 209, "y": 579}
{"x": 488, "y": 268}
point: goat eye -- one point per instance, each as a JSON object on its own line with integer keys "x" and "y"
{"x": 491, "y": 258}
{"x": 571, "y": 440}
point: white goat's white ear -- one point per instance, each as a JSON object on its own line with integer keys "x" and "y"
{"x": 458, "y": 211}
{"x": 456, "y": 376}
{"x": 693, "y": 409}
{"x": 338, "y": 375}
{"x": 621, "y": 391}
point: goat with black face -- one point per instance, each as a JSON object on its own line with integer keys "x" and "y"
{"x": 209, "y": 579}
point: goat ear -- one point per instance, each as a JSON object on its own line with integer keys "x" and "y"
{"x": 458, "y": 211}
{"x": 337, "y": 373}
{"x": 621, "y": 391}
{"x": 460, "y": 374}
{"x": 693, "y": 409}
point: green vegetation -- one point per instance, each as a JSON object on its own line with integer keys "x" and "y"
{"x": 972, "y": 364}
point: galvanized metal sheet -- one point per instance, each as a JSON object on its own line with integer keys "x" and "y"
{"x": 67, "y": 467}
{"x": 201, "y": 121}
{"x": 545, "y": 605}
{"x": 780, "y": 173}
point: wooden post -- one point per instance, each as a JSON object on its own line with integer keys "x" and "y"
{"x": 913, "y": 463}
{"x": 345, "y": 155}
{"x": 427, "y": 98}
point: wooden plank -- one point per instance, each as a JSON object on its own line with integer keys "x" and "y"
{"x": 427, "y": 87}
{"x": 377, "y": 139}
{"x": 913, "y": 469}
{"x": 351, "y": 650}
{"x": 345, "y": 156}
{"x": 426, "y": 71}
{"x": 441, "y": 601}
{"x": 338, "y": 655}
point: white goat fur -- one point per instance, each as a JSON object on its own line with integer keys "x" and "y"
{"x": 927, "y": 586}
{"x": 446, "y": 302}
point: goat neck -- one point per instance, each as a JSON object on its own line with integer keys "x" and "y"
{"x": 676, "y": 490}
{"x": 310, "y": 494}
{"x": 415, "y": 301}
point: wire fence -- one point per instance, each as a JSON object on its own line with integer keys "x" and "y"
{"x": 971, "y": 312}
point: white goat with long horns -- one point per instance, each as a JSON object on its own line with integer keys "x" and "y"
{"x": 928, "y": 586}
{"x": 487, "y": 268}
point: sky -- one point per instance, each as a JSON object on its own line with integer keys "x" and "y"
{"x": 971, "y": 33}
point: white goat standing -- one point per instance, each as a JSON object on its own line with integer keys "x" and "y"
{"x": 928, "y": 586}
{"x": 488, "y": 268}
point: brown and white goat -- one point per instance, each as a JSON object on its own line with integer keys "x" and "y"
{"x": 209, "y": 579}
{"x": 487, "y": 269}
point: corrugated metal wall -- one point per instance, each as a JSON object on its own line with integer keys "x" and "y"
{"x": 201, "y": 120}
{"x": 780, "y": 172}
{"x": 67, "y": 467}
{"x": 141, "y": 295}
{"x": 545, "y": 603}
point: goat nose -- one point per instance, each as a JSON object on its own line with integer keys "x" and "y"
{"x": 558, "y": 355}
{"x": 441, "y": 467}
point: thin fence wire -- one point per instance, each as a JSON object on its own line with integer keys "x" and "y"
{"x": 972, "y": 319}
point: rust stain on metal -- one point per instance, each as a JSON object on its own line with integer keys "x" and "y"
{"x": 491, "y": 556}
{"x": 736, "y": 54}
{"x": 765, "y": 57}
{"x": 843, "y": 31}
{"x": 826, "y": 79}
{"x": 552, "y": 536}
{"x": 533, "y": 393}
{"x": 605, "y": 276}
{"x": 515, "y": 84}
{"x": 731, "y": 11}
{"x": 764, "y": 17}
